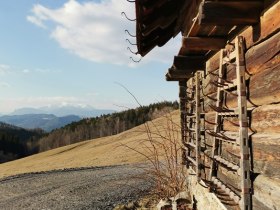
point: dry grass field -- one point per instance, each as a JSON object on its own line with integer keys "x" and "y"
{"x": 98, "y": 152}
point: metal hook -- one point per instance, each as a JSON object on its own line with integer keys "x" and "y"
{"x": 231, "y": 93}
{"x": 129, "y": 33}
{"x": 213, "y": 74}
{"x": 209, "y": 122}
{"x": 135, "y": 61}
{"x": 218, "y": 84}
{"x": 207, "y": 95}
{"x": 130, "y": 42}
{"x": 219, "y": 109}
{"x": 123, "y": 13}
{"x": 135, "y": 53}
{"x": 231, "y": 122}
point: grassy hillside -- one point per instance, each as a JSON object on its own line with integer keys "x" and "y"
{"x": 99, "y": 152}
{"x": 105, "y": 125}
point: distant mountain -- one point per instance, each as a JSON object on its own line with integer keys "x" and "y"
{"x": 27, "y": 110}
{"x": 60, "y": 111}
{"x": 46, "y": 122}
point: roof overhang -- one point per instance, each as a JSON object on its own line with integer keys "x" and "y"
{"x": 206, "y": 27}
{"x": 157, "y": 21}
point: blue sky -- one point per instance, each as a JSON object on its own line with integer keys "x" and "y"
{"x": 58, "y": 52}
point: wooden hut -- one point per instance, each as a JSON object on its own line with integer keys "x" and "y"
{"x": 228, "y": 71}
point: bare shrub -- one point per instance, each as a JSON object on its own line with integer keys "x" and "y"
{"x": 162, "y": 150}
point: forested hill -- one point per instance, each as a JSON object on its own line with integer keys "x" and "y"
{"x": 16, "y": 142}
{"x": 105, "y": 125}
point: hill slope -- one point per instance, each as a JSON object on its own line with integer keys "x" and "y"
{"x": 16, "y": 142}
{"x": 99, "y": 152}
{"x": 105, "y": 125}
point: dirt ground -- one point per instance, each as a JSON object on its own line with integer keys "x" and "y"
{"x": 94, "y": 174}
{"x": 73, "y": 189}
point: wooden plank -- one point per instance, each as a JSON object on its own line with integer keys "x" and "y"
{"x": 266, "y": 193}
{"x": 230, "y": 12}
{"x": 169, "y": 78}
{"x": 227, "y": 163}
{"x": 264, "y": 88}
{"x": 243, "y": 126}
{"x": 190, "y": 124}
{"x": 203, "y": 43}
{"x": 189, "y": 63}
{"x": 217, "y": 127}
{"x": 183, "y": 115}
{"x": 197, "y": 126}
{"x": 253, "y": 35}
{"x": 197, "y": 30}
{"x": 266, "y": 119}
{"x": 191, "y": 13}
{"x": 265, "y": 153}
{"x": 182, "y": 89}
{"x": 226, "y": 189}
{"x": 262, "y": 60}
{"x": 194, "y": 30}
{"x": 179, "y": 74}
{"x": 268, "y": 26}
{"x": 263, "y": 55}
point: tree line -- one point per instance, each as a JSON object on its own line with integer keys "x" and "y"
{"x": 105, "y": 125}
{"x": 17, "y": 142}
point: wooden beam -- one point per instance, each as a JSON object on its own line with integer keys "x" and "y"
{"x": 204, "y": 43}
{"x": 169, "y": 78}
{"x": 230, "y": 12}
{"x": 268, "y": 26}
{"x": 189, "y": 63}
{"x": 178, "y": 75}
{"x": 190, "y": 14}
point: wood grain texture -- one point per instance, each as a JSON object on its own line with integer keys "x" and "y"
{"x": 266, "y": 119}
{"x": 232, "y": 12}
{"x": 266, "y": 153}
{"x": 269, "y": 25}
{"x": 204, "y": 43}
{"x": 264, "y": 89}
{"x": 264, "y": 55}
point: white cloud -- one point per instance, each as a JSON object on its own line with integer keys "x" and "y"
{"x": 25, "y": 71}
{"x": 45, "y": 71}
{"x": 94, "y": 30}
{"x": 4, "y": 85}
{"x": 35, "y": 21}
{"x": 4, "y": 69}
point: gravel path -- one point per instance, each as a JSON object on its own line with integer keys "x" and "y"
{"x": 72, "y": 189}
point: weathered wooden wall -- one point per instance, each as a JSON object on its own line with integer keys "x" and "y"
{"x": 263, "y": 66}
